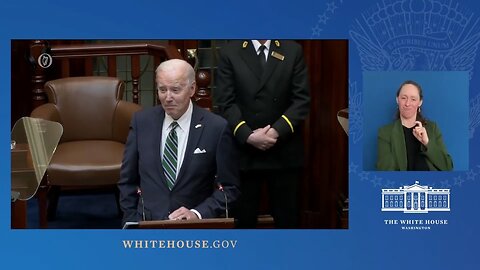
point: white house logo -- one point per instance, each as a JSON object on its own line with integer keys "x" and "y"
{"x": 415, "y": 199}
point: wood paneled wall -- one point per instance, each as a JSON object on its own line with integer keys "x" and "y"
{"x": 326, "y": 144}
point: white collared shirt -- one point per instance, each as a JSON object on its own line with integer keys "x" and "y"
{"x": 182, "y": 130}
{"x": 257, "y": 44}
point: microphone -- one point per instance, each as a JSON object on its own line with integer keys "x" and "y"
{"x": 220, "y": 187}
{"x": 139, "y": 192}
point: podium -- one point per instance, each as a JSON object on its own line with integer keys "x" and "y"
{"x": 212, "y": 223}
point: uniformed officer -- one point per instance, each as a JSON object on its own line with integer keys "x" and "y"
{"x": 262, "y": 90}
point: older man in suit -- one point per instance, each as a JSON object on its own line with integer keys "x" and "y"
{"x": 177, "y": 155}
{"x": 262, "y": 90}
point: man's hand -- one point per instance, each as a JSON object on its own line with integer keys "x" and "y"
{"x": 182, "y": 213}
{"x": 260, "y": 140}
{"x": 272, "y": 133}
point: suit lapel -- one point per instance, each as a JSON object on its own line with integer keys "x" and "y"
{"x": 250, "y": 58}
{"x": 158, "y": 124}
{"x": 272, "y": 63}
{"x": 193, "y": 138}
{"x": 399, "y": 147}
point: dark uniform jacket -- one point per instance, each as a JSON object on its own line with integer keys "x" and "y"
{"x": 250, "y": 99}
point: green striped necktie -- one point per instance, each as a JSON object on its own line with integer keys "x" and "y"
{"x": 170, "y": 156}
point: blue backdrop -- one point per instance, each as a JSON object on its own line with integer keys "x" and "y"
{"x": 445, "y": 101}
{"x": 384, "y": 35}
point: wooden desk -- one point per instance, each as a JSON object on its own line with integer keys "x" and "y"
{"x": 264, "y": 222}
{"x": 213, "y": 223}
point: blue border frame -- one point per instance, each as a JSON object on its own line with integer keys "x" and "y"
{"x": 372, "y": 26}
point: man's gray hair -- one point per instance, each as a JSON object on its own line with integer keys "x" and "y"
{"x": 178, "y": 63}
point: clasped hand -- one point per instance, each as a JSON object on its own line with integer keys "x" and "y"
{"x": 420, "y": 133}
{"x": 263, "y": 138}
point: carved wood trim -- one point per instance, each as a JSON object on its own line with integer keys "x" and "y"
{"x": 65, "y": 53}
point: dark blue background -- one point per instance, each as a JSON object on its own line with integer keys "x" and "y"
{"x": 368, "y": 244}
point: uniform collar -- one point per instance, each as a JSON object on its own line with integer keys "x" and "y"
{"x": 256, "y": 44}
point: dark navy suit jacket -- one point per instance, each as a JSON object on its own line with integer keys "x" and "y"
{"x": 197, "y": 180}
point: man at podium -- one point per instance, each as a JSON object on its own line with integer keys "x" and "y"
{"x": 179, "y": 160}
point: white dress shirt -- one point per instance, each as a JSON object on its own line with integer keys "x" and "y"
{"x": 257, "y": 44}
{"x": 183, "y": 131}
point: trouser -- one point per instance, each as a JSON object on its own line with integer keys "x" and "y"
{"x": 282, "y": 188}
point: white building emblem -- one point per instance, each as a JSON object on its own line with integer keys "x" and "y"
{"x": 415, "y": 199}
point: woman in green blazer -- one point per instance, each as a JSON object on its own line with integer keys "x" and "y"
{"x": 411, "y": 143}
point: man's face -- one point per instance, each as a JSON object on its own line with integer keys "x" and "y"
{"x": 174, "y": 91}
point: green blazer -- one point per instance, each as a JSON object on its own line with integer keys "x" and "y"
{"x": 392, "y": 152}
